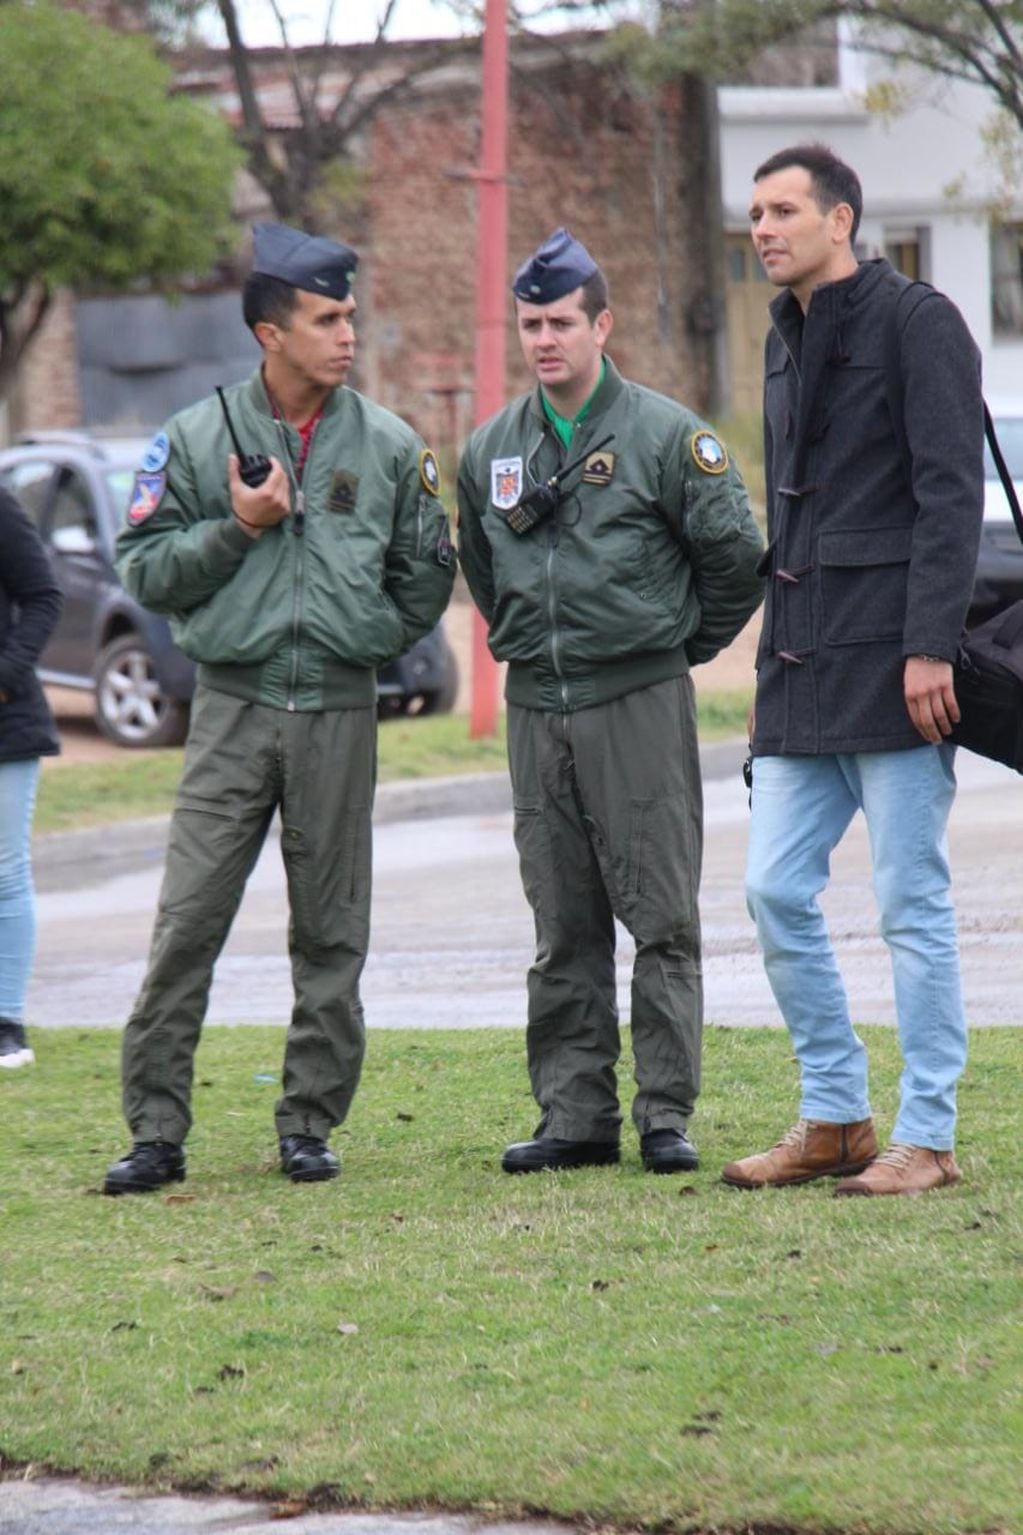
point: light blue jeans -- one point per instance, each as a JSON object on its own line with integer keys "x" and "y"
{"x": 18, "y": 783}
{"x": 801, "y": 809}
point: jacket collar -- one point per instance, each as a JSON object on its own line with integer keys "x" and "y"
{"x": 260, "y": 400}
{"x": 827, "y": 302}
{"x": 608, "y": 391}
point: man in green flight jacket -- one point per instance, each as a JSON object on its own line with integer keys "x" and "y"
{"x": 289, "y": 590}
{"x": 607, "y": 539}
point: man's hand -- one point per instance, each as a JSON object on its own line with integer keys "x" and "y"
{"x": 930, "y": 697}
{"x": 258, "y": 507}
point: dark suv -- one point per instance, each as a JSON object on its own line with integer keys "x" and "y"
{"x": 75, "y": 488}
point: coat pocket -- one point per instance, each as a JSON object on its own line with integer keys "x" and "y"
{"x": 863, "y": 582}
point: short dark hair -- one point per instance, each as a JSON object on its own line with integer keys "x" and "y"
{"x": 268, "y": 298}
{"x": 832, "y": 180}
{"x": 595, "y": 297}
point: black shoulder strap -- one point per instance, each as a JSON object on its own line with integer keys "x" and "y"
{"x": 903, "y": 310}
{"x": 909, "y": 297}
{"x": 1003, "y": 472}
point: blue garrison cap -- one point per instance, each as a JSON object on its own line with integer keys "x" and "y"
{"x": 305, "y": 261}
{"x": 560, "y": 265}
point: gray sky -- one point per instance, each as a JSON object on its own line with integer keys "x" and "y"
{"x": 354, "y": 20}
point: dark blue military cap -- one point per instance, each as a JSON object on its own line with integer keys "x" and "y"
{"x": 305, "y": 261}
{"x": 559, "y": 266}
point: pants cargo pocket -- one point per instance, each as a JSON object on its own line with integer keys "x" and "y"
{"x": 330, "y": 894}
{"x": 663, "y": 870}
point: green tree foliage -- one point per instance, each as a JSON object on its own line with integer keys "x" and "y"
{"x": 106, "y": 177}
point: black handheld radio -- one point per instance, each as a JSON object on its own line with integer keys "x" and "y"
{"x": 538, "y": 503}
{"x": 253, "y": 467}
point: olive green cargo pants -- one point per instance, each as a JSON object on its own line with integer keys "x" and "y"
{"x": 609, "y": 823}
{"x": 242, "y": 762}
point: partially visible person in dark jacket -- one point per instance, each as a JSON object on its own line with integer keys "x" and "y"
{"x": 30, "y": 603}
{"x": 645, "y": 566}
{"x": 874, "y": 434}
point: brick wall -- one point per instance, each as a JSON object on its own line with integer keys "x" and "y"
{"x": 580, "y": 153}
{"x": 46, "y": 392}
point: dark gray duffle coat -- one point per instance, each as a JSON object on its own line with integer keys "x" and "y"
{"x": 865, "y": 567}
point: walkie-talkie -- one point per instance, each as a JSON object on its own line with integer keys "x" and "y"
{"x": 543, "y": 499}
{"x": 253, "y": 467}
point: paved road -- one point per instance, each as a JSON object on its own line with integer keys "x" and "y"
{"x": 452, "y": 934}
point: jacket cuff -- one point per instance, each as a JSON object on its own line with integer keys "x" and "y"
{"x": 235, "y": 536}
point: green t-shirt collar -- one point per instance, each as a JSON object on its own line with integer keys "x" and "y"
{"x": 562, "y": 425}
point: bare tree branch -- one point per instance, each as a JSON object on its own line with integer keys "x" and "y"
{"x": 304, "y": 101}
{"x": 254, "y": 136}
{"x": 291, "y": 162}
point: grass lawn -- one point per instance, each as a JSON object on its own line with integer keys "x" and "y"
{"x": 140, "y": 784}
{"x": 663, "y": 1353}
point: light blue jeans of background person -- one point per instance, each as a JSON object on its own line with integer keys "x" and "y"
{"x": 18, "y": 783}
{"x": 801, "y": 809}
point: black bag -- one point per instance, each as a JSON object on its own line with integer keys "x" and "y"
{"x": 989, "y": 688}
{"x": 989, "y": 667}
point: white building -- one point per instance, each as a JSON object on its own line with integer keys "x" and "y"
{"x": 929, "y": 184}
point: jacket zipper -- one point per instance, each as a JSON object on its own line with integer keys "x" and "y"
{"x": 298, "y": 528}
{"x": 552, "y": 612}
{"x": 553, "y": 542}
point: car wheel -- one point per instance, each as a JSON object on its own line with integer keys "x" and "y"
{"x": 443, "y": 699}
{"x": 131, "y": 707}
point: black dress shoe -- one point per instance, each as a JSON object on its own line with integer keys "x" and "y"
{"x": 668, "y": 1151}
{"x": 306, "y": 1159}
{"x": 147, "y": 1166}
{"x": 549, "y": 1152}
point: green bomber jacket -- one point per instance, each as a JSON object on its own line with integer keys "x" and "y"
{"x": 648, "y": 565}
{"x": 301, "y": 617}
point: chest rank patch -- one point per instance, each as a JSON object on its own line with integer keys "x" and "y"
{"x": 429, "y": 472}
{"x": 344, "y": 491}
{"x": 599, "y": 469}
{"x": 505, "y": 482}
{"x": 710, "y": 454}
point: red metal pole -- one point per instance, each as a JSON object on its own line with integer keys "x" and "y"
{"x": 491, "y": 299}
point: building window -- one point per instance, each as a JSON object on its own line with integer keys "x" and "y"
{"x": 743, "y": 262}
{"x": 909, "y": 251}
{"x": 1007, "y": 279}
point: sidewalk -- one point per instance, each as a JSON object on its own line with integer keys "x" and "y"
{"x": 59, "y": 1506}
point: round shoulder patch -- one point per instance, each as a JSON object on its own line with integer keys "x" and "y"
{"x": 156, "y": 455}
{"x": 709, "y": 452}
{"x": 429, "y": 471}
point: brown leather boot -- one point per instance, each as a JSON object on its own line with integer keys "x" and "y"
{"x": 904, "y": 1169}
{"x": 813, "y": 1148}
